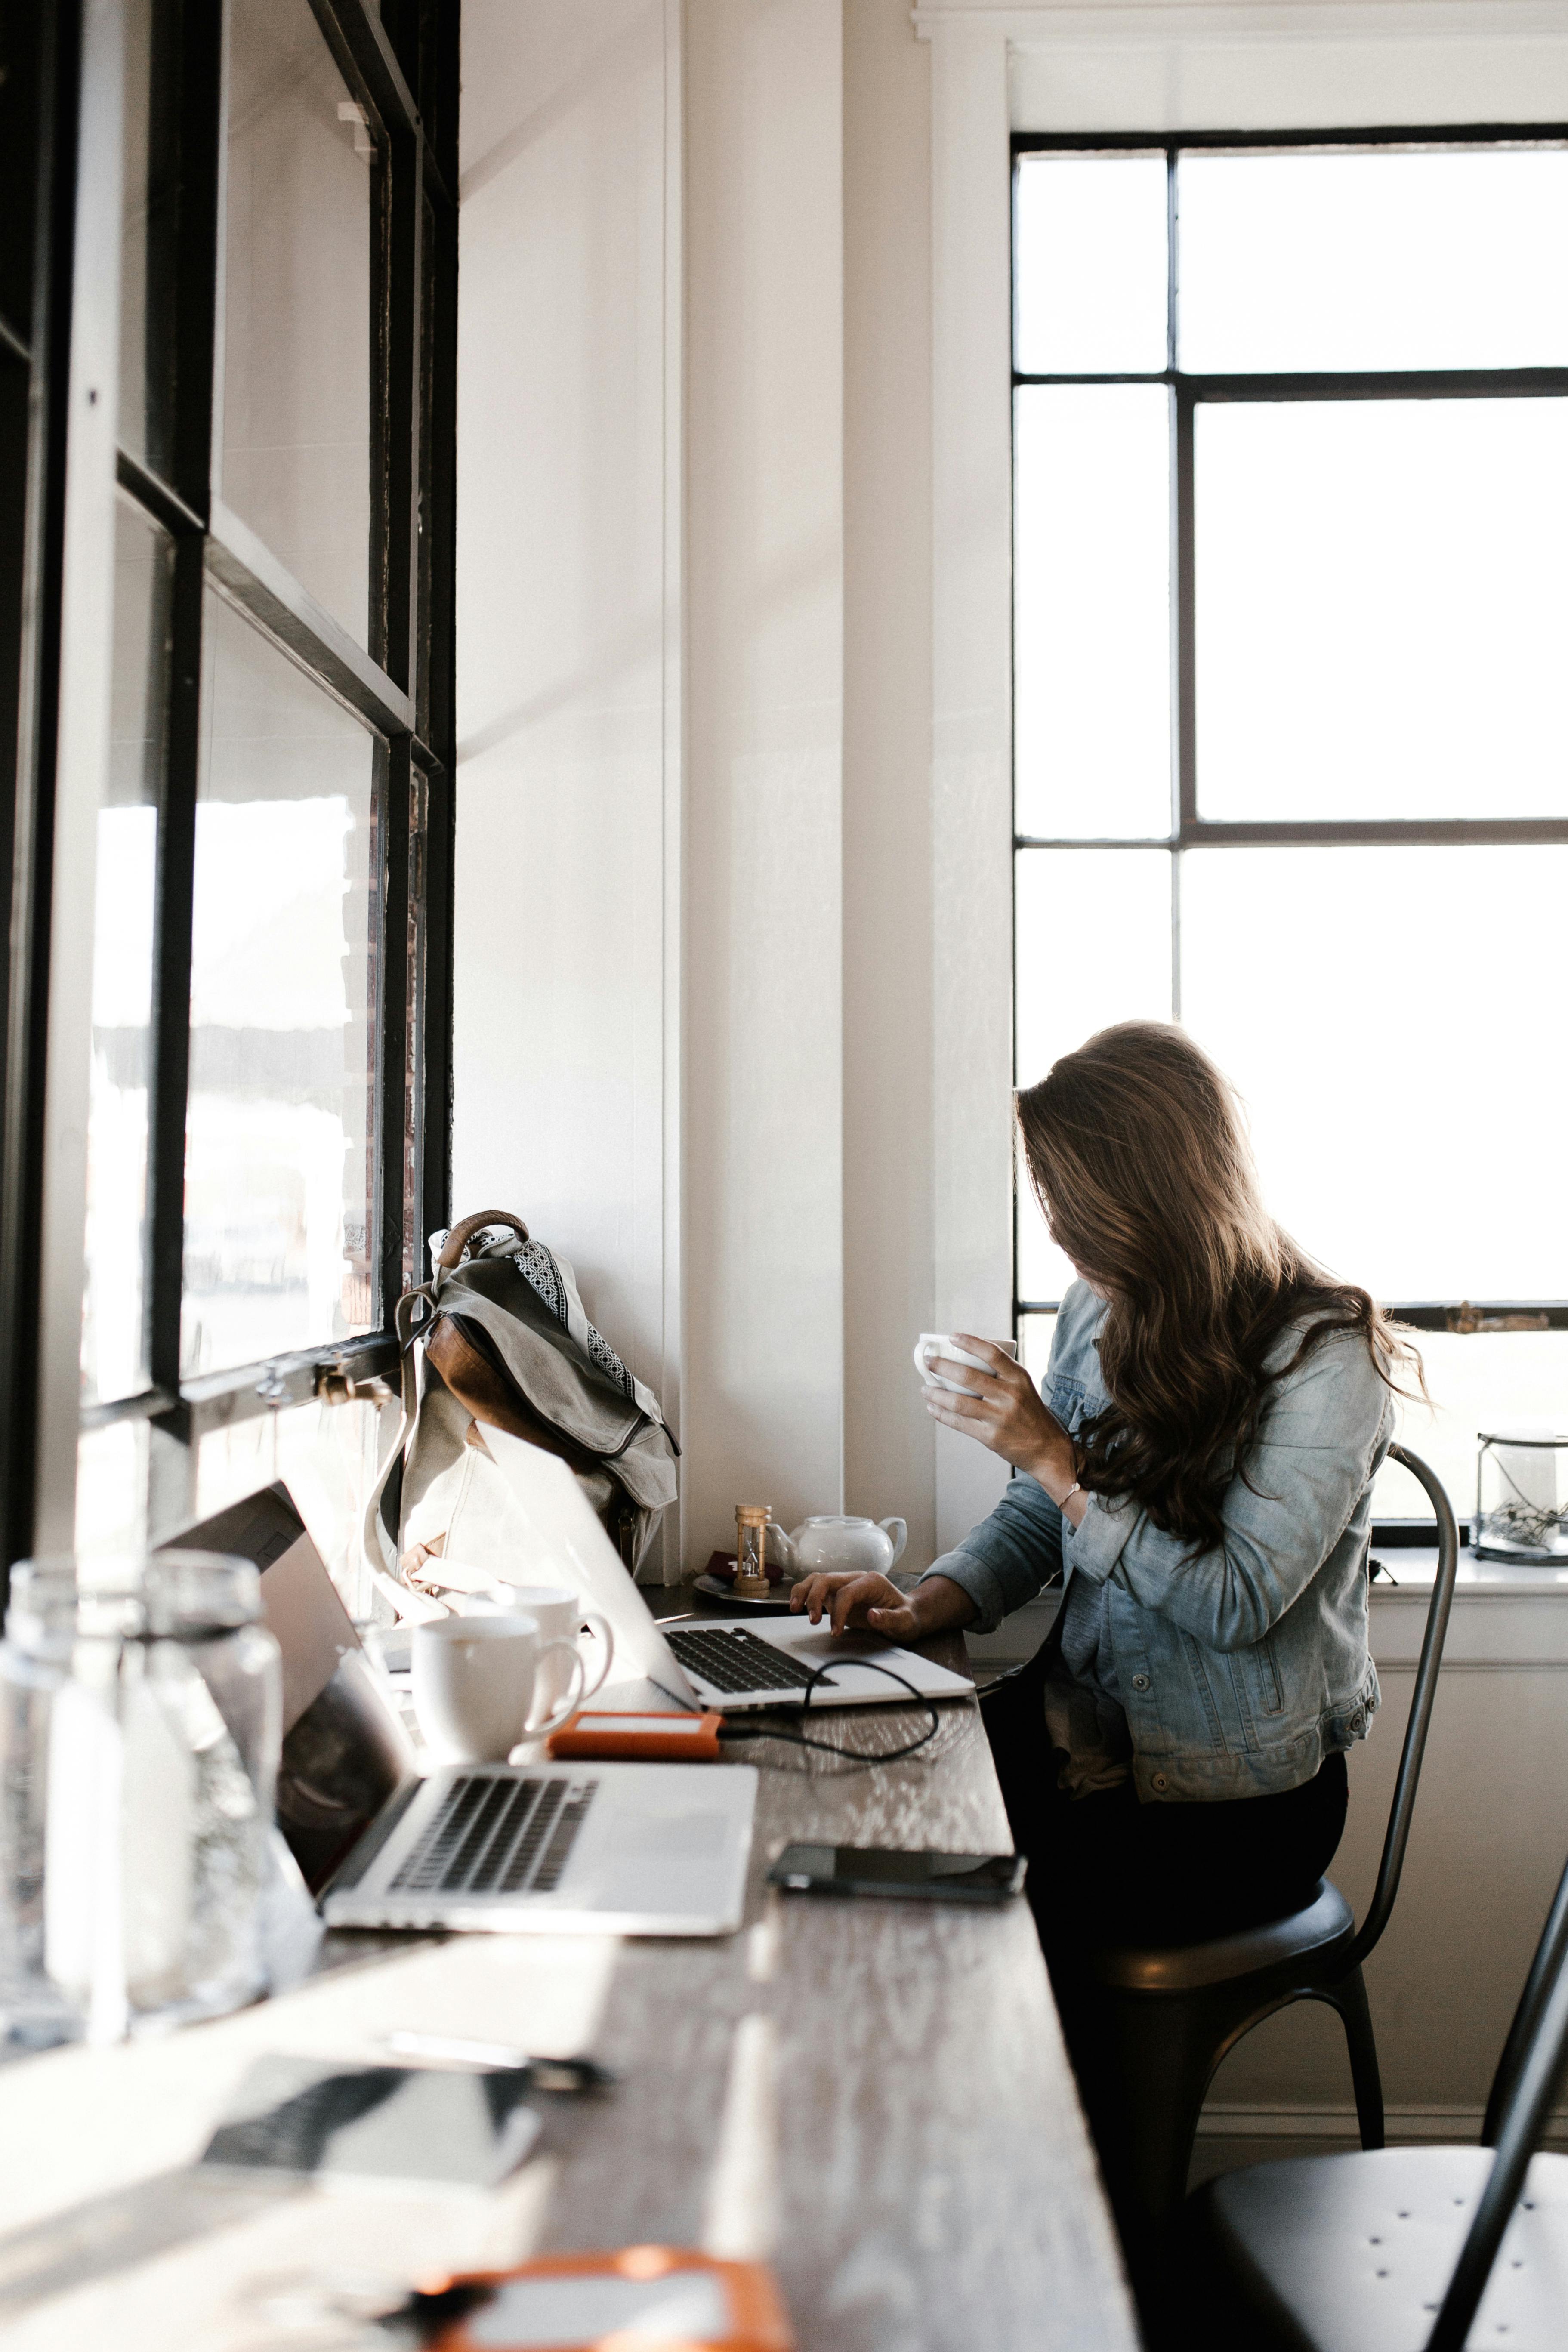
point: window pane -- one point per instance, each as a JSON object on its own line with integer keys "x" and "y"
{"x": 1445, "y": 259}
{"x": 113, "y": 1338}
{"x": 1093, "y": 946}
{"x": 1091, "y": 264}
{"x": 1381, "y": 608}
{"x": 281, "y": 1123}
{"x": 1489, "y": 1379}
{"x": 111, "y": 1489}
{"x": 1093, "y": 626}
{"x": 1036, "y": 1333}
{"x": 296, "y": 310}
{"x": 1392, "y": 1018}
{"x": 327, "y": 1457}
{"x": 150, "y": 219}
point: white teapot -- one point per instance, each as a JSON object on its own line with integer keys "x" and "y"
{"x": 830, "y": 1545}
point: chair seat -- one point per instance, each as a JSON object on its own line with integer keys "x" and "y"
{"x": 1354, "y": 2253}
{"x": 1187, "y": 1968}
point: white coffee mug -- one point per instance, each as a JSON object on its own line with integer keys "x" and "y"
{"x": 474, "y": 1679}
{"x": 562, "y": 1618}
{"x": 941, "y": 1343}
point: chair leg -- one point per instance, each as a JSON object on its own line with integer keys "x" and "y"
{"x": 1144, "y": 2076}
{"x": 1348, "y": 1998}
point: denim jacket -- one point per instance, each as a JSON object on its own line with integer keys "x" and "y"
{"x": 1240, "y": 1669}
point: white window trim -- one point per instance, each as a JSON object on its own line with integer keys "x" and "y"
{"x": 1251, "y": 66}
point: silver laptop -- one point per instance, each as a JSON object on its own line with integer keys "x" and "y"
{"x": 567, "y": 1849}
{"x": 735, "y": 1664}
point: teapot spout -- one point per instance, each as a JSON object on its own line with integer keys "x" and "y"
{"x": 781, "y": 1549}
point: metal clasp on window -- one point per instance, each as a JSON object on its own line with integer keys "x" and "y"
{"x": 335, "y": 1385}
{"x": 364, "y": 145}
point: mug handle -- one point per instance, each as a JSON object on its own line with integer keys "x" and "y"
{"x": 601, "y": 1626}
{"x": 574, "y": 1698}
{"x": 900, "y": 1535}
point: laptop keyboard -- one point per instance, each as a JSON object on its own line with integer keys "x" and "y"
{"x": 498, "y": 1836}
{"x": 736, "y": 1660}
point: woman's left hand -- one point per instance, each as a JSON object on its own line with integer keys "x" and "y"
{"x": 1008, "y": 1414}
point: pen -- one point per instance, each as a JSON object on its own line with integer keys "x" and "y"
{"x": 549, "y": 2073}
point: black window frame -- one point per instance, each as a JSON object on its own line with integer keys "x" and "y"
{"x": 401, "y": 65}
{"x": 1188, "y": 829}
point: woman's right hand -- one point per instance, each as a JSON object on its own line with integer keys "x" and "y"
{"x": 876, "y": 1601}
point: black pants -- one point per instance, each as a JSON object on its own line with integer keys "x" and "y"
{"x": 1107, "y": 1869}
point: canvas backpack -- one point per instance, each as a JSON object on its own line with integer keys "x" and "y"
{"x": 502, "y": 1339}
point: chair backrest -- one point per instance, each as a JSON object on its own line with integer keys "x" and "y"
{"x": 1422, "y": 1699}
{"x": 1530, "y": 2077}
{"x": 1550, "y": 1955}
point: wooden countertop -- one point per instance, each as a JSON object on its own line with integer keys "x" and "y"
{"x": 875, "y": 2091}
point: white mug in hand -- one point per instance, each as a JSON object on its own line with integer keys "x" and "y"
{"x": 561, "y": 1617}
{"x": 474, "y": 1681}
{"x": 932, "y": 1344}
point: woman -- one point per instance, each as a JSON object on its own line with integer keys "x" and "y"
{"x": 1199, "y": 1464}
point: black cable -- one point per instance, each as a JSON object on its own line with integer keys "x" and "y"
{"x": 829, "y": 1748}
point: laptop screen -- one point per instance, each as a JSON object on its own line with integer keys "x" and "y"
{"x": 566, "y": 1544}
{"x": 346, "y": 1751}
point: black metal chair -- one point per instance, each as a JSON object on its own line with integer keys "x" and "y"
{"x": 1398, "y": 2248}
{"x": 1156, "y": 2021}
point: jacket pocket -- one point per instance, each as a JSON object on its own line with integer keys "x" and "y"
{"x": 1269, "y": 1689}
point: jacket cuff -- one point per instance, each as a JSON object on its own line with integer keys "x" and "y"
{"x": 963, "y": 1568}
{"x": 1094, "y": 1547}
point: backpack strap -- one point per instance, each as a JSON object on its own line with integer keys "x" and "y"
{"x": 462, "y": 1232}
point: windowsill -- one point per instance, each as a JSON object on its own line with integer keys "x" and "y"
{"x": 1503, "y": 1617}
{"x": 1477, "y": 1579}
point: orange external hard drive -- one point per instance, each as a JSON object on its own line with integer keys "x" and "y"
{"x": 575, "y": 2302}
{"x": 638, "y": 1739}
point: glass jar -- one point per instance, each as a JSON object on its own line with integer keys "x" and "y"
{"x": 34, "y": 1660}
{"x": 1520, "y": 1504}
{"x": 158, "y": 1768}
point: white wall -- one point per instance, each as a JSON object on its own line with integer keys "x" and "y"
{"x": 888, "y": 1079}
{"x": 566, "y": 1010}
{"x": 762, "y": 1244}
{"x": 694, "y": 975}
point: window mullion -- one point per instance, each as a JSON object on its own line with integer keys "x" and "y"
{"x": 389, "y": 934}
{"x": 1183, "y": 577}
{"x": 398, "y": 407}
{"x": 37, "y": 455}
{"x": 171, "y": 1465}
{"x": 253, "y": 578}
{"x": 171, "y": 971}
{"x": 435, "y": 1106}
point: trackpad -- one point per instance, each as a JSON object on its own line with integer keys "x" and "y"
{"x": 647, "y": 1858}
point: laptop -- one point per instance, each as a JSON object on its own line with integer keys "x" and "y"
{"x": 563, "y": 1849}
{"x": 712, "y": 1662}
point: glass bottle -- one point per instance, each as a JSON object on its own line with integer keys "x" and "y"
{"x": 35, "y": 1661}
{"x": 160, "y": 1763}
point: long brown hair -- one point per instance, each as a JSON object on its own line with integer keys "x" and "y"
{"x": 1138, "y": 1152}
